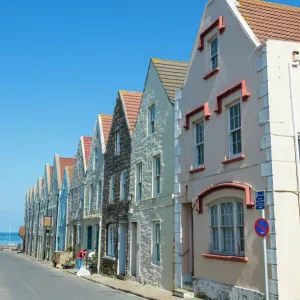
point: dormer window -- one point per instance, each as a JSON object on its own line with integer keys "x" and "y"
{"x": 214, "y": 54}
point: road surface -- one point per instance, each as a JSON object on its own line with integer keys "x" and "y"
{"x": 22, "y": 279}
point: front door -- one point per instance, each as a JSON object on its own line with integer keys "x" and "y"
{"x": 122, "y": 249}
{"x": 133, "y": 250}
{"x": 89, "y": 237}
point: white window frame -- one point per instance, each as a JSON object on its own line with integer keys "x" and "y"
{"x": 151, "y": 119}
{"x": 139, "y": 181}
{"x": 110, "y": 248}
{"x": 95, "y": 160}
{"x": 231, "y": 131}
{"x": 216, "y": 223}
{"x": 156, "y": 242}
{"x": 215, "y": 54}
{"x": 123, "y": 185}
{"x": 117, "y": 143}
{"x": 112, "y": 188}
{"x": 99, "y": 194}
{"x": 91, "y": 196}
{"x": 156, "y": 176}
{"x": 197, "y": 165}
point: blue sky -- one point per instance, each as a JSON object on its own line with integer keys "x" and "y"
{"x": 62, "y": 63}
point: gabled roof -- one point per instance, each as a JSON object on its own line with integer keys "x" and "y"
{"x": 87, "y": 143}
{"x": 271, "y": 21}
{"x": 131, "y": 103}
{"x": 105, "y": 124}
{"x": 70, "y": 170}
{"x": 65, "y": 162}
{"x": 171, "y": 73}
{"x": 51, "y": 171}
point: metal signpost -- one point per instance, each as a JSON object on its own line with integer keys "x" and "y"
{"x": 262, "y": 229}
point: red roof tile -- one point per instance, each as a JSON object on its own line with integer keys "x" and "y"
{"x": 65, "y": 162}
{"x": 132, "y": 102}
{"x": 106, "y": 121}
{"x": 87, "y": 141}
{"x": 271, "y": 21}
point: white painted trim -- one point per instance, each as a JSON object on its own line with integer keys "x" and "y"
{"x": 244, "y": 24}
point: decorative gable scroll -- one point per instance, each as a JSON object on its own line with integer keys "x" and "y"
{"x": 218, "y": 23}
{"x": 240, "y": 86}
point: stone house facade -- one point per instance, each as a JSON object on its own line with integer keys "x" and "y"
{"x": 151, "y": 177}
{"x": 59, "y": 165}
{"x": 43, "y": 233}
{"x": 94, "y": 183}
{"x": 75, "y": 226}
{"x": 234, "y": 136}
{"x": 115, "y": 204}
{"x": 61, "y": 240}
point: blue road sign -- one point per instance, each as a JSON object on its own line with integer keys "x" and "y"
{"x": 262, "y": 227}
{"x": 260, "y": 200}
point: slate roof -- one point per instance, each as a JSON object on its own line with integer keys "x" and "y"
{"x": 87, "y": 143}
{"x": 171, "y": 73}
{"x": 131, "y": 103}
{"x": 65, "y": 162}
{"x": 106, "y": 121}
{"x": 271, "y": 21}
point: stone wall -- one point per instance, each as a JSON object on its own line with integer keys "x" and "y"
{"x": 212, "y": 290}
{"x": 116, "y": 211}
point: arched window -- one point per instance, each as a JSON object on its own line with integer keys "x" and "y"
{"x": 110, "y": 247}
{"x": 227, "y": 227}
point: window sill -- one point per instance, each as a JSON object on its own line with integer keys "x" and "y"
{"x": 233, "y": 159}
{"x": 196, "y": 170}
{"x": 109, "y": 258}
{"x": 156, "y": 265}
{"x": 226, "y": 258}
{"x": 212, "y": 73}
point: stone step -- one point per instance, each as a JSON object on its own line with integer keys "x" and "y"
{"x": 181, "y": 293}
{"x": 121, "y": 277}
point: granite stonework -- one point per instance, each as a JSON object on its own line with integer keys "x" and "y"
{"x": 116, "y": 211}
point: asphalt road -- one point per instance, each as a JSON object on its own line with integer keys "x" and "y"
{"x": 22, "y": 279}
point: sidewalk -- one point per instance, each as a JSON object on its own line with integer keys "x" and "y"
{"x": 144, "y": 291}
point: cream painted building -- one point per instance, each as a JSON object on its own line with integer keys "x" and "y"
{"x": 151, "y": 177}
{"x": 235, "y": 135}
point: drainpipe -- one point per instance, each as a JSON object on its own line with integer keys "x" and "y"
{"x": 295, "y": 63}
{"x": 99, "y": 245}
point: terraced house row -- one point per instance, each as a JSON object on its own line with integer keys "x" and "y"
{"x": 165, "y": 188}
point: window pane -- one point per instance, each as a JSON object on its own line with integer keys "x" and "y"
{"x": 214, "y": 239}
{"x": 157, "y": 166}
{"x": 214, "y": 216}
{"x": 214, "y": 47}
{"x": 200, "y": 155}
{"x": 228, "y": 239}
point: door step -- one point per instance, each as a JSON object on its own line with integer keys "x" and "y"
{"x": 121, "y": 277}
{"x": 181, "y": 293}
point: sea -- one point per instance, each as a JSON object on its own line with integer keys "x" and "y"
{"x": 14, "y": 238}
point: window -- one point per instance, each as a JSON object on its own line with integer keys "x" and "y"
{"x": 91, "y": 196}
{"x": 139, "y": 181}
{"x": 199, "y": 144}
{"x": 157, "y": 170}
{"x": 151, "y": 120}
{"x": 95, "y": 162}
{"x": 112, "y": 188}
{"x": 110, "y": 248}
{"x": 235, "y": 132}
{"x": 156, "y": 243}
{"x": 123, "y": 185}
{"x": 117, "y": 141}
{"x": 99, "y": 194}
{"x": 299, "y": 142}
{"x": 214, "y": 53}
{"x": 227, "y": 228}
